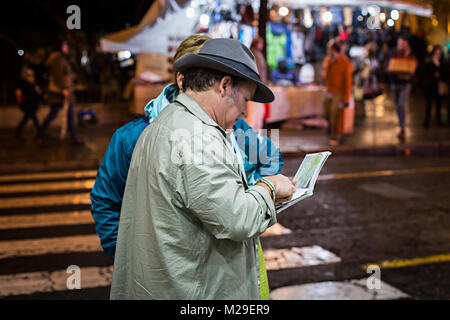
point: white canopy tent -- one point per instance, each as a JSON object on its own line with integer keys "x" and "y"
{"x": 164, "y": 22}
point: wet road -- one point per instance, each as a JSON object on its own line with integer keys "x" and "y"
{"x": 393, "y": 212}
{"x": 372, "y": 209}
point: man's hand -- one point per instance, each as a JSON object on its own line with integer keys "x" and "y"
{"x": 284, "y": 188}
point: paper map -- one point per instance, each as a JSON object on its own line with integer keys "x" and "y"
{"x": 306, "y": 170}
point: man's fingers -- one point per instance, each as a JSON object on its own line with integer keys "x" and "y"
{"x": 285, "y": 199}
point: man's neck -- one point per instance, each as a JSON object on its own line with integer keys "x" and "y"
{"x": 206, "y": 100}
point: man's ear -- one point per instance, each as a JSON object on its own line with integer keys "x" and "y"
{"x": 180, "y": 78}
{"x": 225, "y": 86}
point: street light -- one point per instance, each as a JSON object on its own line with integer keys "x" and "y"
{"x": 190, "y": 12}
{"x": 283, "y": 11}
{"x": 124, "y": 55}
{"x": 204, "y": 19}
{"x": 395, "y": 15}
{"x": 327, "y": 17}
{"x": 373, "y": 10}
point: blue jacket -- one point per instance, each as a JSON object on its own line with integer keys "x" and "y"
{"x": 107, "y": 193}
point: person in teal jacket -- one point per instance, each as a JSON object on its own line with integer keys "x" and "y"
{"x": 259, "y": 154}
{"x": 107, "y": 193}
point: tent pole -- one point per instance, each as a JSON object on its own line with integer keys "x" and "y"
{"x": 262, "y": 21}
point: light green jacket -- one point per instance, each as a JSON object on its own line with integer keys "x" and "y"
{"x": 189, "y": 225}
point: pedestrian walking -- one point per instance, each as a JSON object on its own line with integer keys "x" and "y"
{"x": 189, "y": 229}
{"x": 337, "y": 72}
{"x": 433, "y": 81}
{"x": 28, "y": 95}
{"x": 60, "y": 93}
{"x": 402, "y": 66}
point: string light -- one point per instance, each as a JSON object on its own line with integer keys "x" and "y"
{"x": 190, "y": 12}
{"x": 283, "y": 11}
{"x": 395, "y": 15}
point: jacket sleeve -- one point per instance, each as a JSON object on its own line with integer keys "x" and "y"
{"x": 261, "y": 156}
{"x": 215, "y": 194}
{"x": 107, "y": 193}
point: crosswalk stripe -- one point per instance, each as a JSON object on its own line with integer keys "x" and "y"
{"x": 91, "y": 277}
{"x": 47, "y": 186}
{"x": 294, "y": 257}
{"x": 33, "y": 282}
{"x": 48, "y": 176}
{"x": 52, "y": 200}
{"x": 45, "y": 220}
{"x": 33, "y": 247}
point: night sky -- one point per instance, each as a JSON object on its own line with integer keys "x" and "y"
{"x": 32, "y": 23}
{"x": 29, "y": 25}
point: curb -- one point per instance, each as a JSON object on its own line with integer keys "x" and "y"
{"x": 419, "y": 149}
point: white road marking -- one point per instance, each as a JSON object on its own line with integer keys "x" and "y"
{"x": 276, "y": 230}
{"x": 333, "y": 290}
{"x": 53, "y": 200}
{"x": 45, "y": 220}
{"x": 295, "y": 257}
{"x": 48, "y": 175}
{"x": 42, "y": 246}
{"x": 47, "y": 186}
{"x": 33, "y": 282}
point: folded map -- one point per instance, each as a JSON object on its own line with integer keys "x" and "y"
{"x": 306, "y": 178}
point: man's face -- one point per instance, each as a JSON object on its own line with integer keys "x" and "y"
{"x": 235, "y": 103}
{"x": 334, "y": 55}
{"x": 438, "y": 54}
{"x": 402, "y": 44}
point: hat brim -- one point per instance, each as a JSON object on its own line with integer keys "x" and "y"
{"x": 262, "y": 93}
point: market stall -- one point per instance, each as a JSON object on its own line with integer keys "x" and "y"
{"x": 295, "y": 102}
{"x": 296, "y": 31}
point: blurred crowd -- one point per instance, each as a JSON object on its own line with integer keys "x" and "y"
{"x": 353, "y": 64}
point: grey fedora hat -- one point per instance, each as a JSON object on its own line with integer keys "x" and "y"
{"x": 229, "y": 56}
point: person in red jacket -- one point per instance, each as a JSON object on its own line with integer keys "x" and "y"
{"x": 337, "y": 72}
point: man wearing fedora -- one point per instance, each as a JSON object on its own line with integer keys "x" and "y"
{"x": 189, "y": 223}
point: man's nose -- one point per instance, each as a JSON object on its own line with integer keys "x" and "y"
{"x": 244, "y": 112}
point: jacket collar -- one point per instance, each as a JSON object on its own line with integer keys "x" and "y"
{"x": 189, "y": 103}
{"x": 155, "y": 106}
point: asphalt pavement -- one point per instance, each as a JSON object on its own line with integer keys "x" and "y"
{"x": 392, "y": 213}
{"x": 378, "y": 202}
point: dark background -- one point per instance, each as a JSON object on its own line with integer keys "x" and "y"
{"x": 29, "y": 25}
